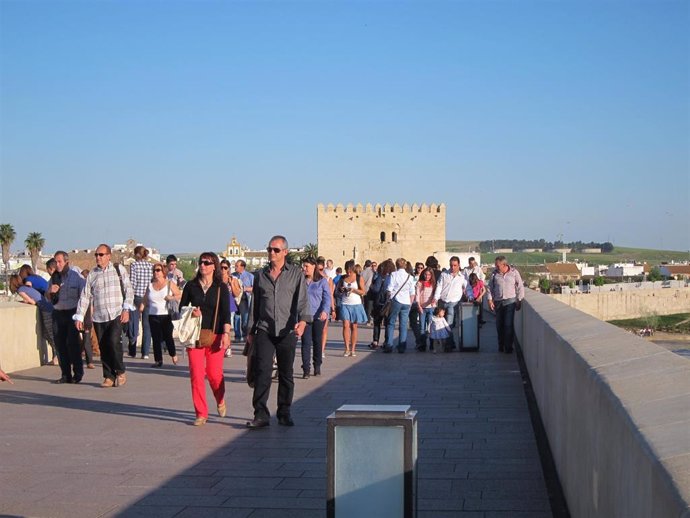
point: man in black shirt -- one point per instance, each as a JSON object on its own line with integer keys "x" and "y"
{"x": 277, "y": 318}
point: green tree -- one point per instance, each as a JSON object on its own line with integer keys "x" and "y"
{"x": 545, "y": 285}
{"x": 598, "y": 280}
{"x": 34, "y": 243}
{"x": 7, "y": 236}
{"x": 310, "y": 250}
{"x": 655, "y": 274}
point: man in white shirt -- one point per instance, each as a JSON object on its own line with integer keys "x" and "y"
{"x": 450, "y": 289}
{"x": 401, "y": 291}
{"x": 329, "y": 271}
{"x": 473, "y": 267}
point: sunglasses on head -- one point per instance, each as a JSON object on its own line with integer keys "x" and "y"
{"x": 100, "y": 254}
{"x": 206, "y": 263}
{"x": 274, "y": 250}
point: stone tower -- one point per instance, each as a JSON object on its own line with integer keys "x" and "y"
{"x": 381, "y": 231}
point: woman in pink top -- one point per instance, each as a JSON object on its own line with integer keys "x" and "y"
{"x": 424, "y": 298}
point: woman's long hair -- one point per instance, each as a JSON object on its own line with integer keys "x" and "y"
{"x": 317, "y": 276}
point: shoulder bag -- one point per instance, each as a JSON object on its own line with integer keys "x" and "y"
{"x": 208, "y": 336}
{"x": 386, "y": 309}
{"x": 172, "y": 305}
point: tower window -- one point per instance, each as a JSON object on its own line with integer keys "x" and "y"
{"x": 383, "y": 237}
{"x": 395, "y": 237}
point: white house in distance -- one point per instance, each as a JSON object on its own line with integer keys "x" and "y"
{"x": 625, "y": 270}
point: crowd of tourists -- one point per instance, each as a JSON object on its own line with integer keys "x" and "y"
{"x": 268, "y": 311}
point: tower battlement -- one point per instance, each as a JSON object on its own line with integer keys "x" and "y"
{"x": 386, "y": 208}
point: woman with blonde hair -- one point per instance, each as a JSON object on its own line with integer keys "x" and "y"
{"x": 159, "y": 292}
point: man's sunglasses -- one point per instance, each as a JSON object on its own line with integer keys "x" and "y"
{"x": 100, "y": 254}
{"x": 274, "y": 250}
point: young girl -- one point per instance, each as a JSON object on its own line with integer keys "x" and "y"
{"x": 440, "y": 330}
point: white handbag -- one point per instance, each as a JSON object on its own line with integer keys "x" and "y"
{"x": 188, "y": 327}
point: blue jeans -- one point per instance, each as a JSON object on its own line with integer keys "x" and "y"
{"x": 311, "y": 341}
{"x": 241, "y": 319}
{"x": 133, "y": 329}
{"x": 401, "y": 312}
{"x": 451, "y": 308}
{"x": 424, "y": 321}
{"x": 505, "y": 316}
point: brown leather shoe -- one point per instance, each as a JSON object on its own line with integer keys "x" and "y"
{"x": 121, "y": 380}
{"x": 222, "y": 409}
{"x": 107, "y": 383}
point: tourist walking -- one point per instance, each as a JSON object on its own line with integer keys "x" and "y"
{"x": 210, "y": 298}
{"x": 140, "y": 274}
{"x": 350, "y": 291}
{"x": 235, "y": 293}
{"x": 401, "y": 290}
{"x": 242, "y": 314}
{"x": 159, "y": 294}
{"x": 279, "y": 314}
{"x": 424, "y": 300}
{"x": 65, "y": 289}
{"x": 320, "y": 296}
{"x": 505, "y": 298}
{"x": 379, "y": 296}
{"x": 109, "y": 289}
{"x": 450, "y": 290}
{"x": 321, "y": 267}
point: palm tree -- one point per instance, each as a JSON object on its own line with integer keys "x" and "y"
{"x": 310, "y": 250}
{"x": 7, "y": 235}
{"x": 34, "y": 242}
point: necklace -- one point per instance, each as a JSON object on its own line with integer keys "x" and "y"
{"x": 205, "y": 286}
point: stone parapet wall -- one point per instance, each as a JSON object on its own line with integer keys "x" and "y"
{"x": 616, "y": 410}
{"x": 614, "y": 305}
{"x": 20, "y": 337}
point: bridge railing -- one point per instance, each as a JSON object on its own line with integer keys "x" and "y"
{"x": 616, "y": 410}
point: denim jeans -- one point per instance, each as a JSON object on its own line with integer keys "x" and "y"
{"x": 133, "y": 329}
{"x": 505, "y": 316}
{"x": 451, "y": 308}
{"x": 424, "y": 321}
{"x": 401, "y": 312}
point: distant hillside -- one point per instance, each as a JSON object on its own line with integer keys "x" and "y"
{"x": 619, "y": 255}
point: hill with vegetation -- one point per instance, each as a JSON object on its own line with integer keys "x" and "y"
{"x": 619, "y": 254}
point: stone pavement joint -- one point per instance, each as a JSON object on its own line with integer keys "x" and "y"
{"x": 82, "y": 451}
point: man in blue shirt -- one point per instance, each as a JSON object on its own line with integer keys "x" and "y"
{"x": 242, "y": 315}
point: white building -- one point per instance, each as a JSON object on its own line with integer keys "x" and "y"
{"x": 625, "y": 270}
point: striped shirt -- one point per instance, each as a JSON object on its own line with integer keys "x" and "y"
{"x": 103, "y": 289}
{"x": 141, "y": 273}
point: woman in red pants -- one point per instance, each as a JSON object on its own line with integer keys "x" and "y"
{"x": 210, "y": 298}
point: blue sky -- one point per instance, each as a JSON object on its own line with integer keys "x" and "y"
{"x": 180, "y": 124}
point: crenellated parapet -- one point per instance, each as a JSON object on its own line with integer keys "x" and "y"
{"x": 386, "y": 208}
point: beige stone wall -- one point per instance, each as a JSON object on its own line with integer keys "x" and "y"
{"x": 615, "y": 410}
{"x": 413, "y": 232}
{"x": 617, "y": 305}
{"x": 20, "y": 337}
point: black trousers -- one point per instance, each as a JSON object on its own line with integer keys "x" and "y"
{"x": 311, "y": 341}
{"x": 265, "y": 346}
{"x": 162, "y": 331}
{"x": 109, "y": 336}
{"x": 68, "y": 344}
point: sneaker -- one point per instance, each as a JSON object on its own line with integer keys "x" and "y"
{"x": 353, "y": 354}
{"x": 145, "y": 357}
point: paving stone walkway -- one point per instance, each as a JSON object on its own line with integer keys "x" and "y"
{"x": 84, "y": 451}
